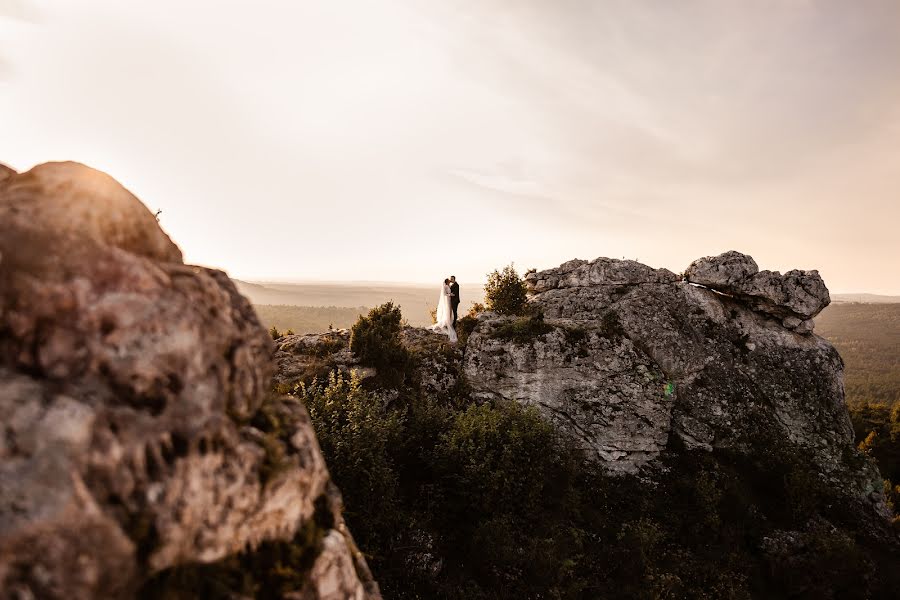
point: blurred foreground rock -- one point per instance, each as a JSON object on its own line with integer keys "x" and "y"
{"x": 139, "y": 433}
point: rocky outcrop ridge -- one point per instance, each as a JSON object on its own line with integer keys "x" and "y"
{"x": 631, "y": 360}
{"x": 139, "y": 432}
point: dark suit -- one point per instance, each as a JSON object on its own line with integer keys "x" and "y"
{"x": 454, "y": 299}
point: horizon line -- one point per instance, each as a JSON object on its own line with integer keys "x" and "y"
{"x": 263, "y": 282}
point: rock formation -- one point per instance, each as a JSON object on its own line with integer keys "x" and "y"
{"x": 630, "y": 358}
{"x": 795, "y": 297}
{"x": 139, "y": 432}
{"x": 632, "y": 361}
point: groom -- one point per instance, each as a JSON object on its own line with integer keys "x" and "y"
{"x": 454, "y": 296}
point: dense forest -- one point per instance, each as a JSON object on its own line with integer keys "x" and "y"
{"x": 868, "y": 338}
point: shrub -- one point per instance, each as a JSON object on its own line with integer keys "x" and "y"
{"x": 449, "y": 499}
{"x": 506, "y": 510}
{"x": 506, "y": 292}
{"x": 503, "y": 454}
{"x": 524, "y": 330}
{"x": 275, "y": 333}
{"x": 375, "y": 340}
{"x": 357, "y": 432}
{"x": 877, "y": 429}
{"x": 476, "y": 309}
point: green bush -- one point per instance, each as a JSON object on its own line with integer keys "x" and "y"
{"x": 375, "y": 340}
{"x": 507, "y": 502}
{"x": 453, "y": 500}
{"x": 505, "y": 292}
{"x": 357, "y": 431}
{"x": 877, "y": 429}
{"x": 524, "y": 330}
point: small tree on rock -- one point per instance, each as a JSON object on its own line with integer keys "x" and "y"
{"x": 375, "y": 340}
{"x": 505, "y": 292}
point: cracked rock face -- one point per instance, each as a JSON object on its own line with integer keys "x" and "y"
{"x": 632, "y": 360}
{"x": 795, "y": 297}
{"x": 563, "y": 372}
{"x": 131, "y": 386}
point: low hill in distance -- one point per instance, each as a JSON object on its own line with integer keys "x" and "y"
{"x": 328, "y": 302}
{"x": 307, "y": 319}
{"x": 865, "y": 298}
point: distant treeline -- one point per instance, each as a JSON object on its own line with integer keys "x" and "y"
{"x": 307, "y": 319}
{"x": 868, "y": 338}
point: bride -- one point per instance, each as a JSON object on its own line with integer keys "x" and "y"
{"x": 444, "y": 322}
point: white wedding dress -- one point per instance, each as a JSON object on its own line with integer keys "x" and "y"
{"x": 444, "y": 322}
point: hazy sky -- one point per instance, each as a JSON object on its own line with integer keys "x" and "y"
{"x": 404, "y": 140}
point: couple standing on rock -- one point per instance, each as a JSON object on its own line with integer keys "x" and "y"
{"x": 448, "y": 303}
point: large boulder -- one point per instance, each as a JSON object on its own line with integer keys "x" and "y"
{"x": 722, "y": 271}
{"x": 795, "y": 297}
{"x": 602, "y": 271}
{"x": 631, "y": 362}
{"x": 140, "y": 434}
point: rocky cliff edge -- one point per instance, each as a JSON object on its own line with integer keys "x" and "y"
{"x": 634, "y": 362}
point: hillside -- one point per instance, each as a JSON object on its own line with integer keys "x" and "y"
{"x": 868, "y": 339}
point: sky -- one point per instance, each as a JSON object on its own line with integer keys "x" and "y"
{"x": 406, "y": 140}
